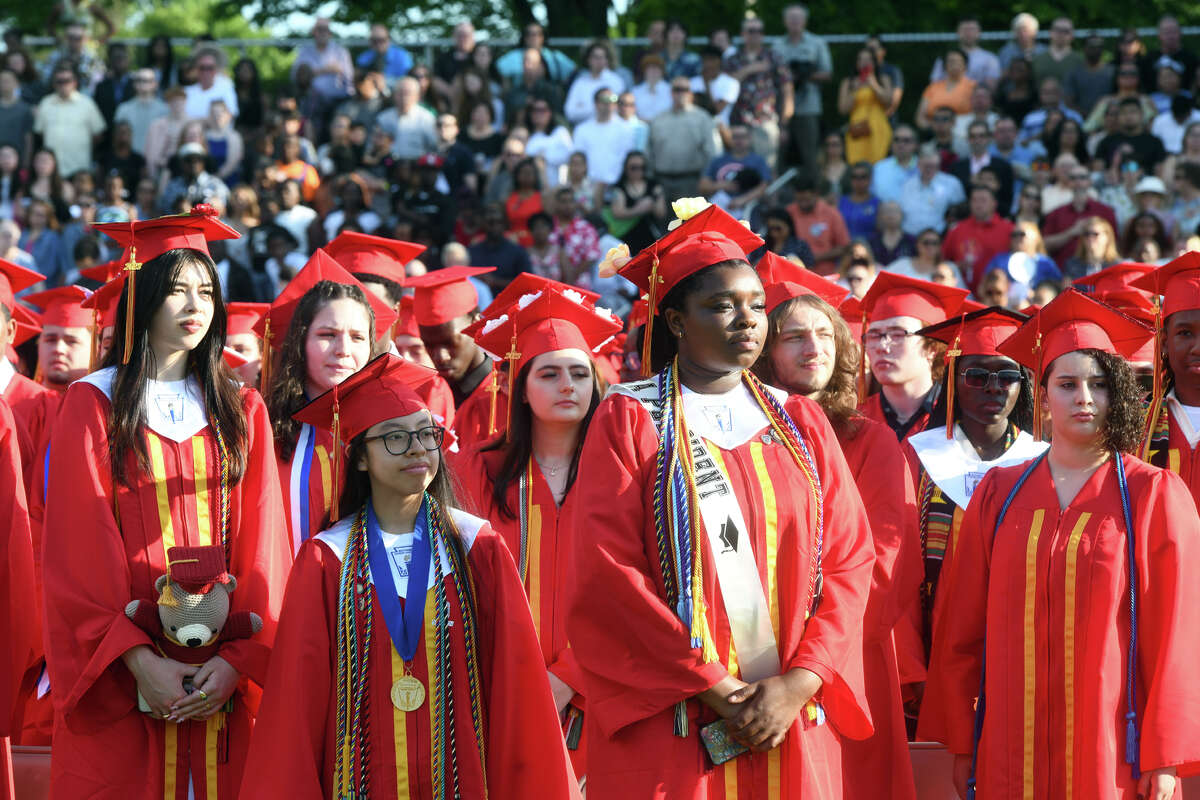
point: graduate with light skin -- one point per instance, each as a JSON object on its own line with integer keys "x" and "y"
{"x": 65, "y": 344}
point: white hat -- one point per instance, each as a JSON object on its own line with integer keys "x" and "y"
{"x": 1150, "y": 184}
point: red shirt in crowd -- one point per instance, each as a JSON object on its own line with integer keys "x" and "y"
{"x": 824, "y": 229}
{"x": 972, "y": 244}
{"x": 1063, "y": 217}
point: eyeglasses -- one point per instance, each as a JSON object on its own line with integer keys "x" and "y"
{"x": 398, "y": 442}
{"x": 755, "y": 29}
{"x": 860, "y": 176}
{"x": 681, "y": 88}
{"x": 612, "y": 98}
{"x": 929, "y": 242}
{"x": 887, "y": 337}
{"x": 207, "y": 67}
{"x": 1081, "y": 177}
{"x": 980, "y": 378}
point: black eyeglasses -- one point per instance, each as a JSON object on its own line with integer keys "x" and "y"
{"x": 980, "y": 378}
{"x": 398, "y": 442}
{"x": 889, "y": 336}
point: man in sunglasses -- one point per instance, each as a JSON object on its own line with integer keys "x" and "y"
{"x": 69, "y": 122}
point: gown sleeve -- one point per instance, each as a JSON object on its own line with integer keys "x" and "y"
{"x": 18, "y": 626}
{"x": 86, "y": 576}
{"x": 526, "y": 754}
{"x": 633, "y": 651}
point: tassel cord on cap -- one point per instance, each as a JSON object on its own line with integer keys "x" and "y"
{"x": 951, "y": 379}
{"x": 862, "y": 361}
{"x": 512, "y": 356}
{"x": 1156, "y": 397}
{"x": 652, "y": 309}
{"x": 131, "y": 267}
{"x": 97, "y": 335}
{"x": 1037, "y": 393}
{"x": 336, "y": 457}
{"x": 264, "y": 369}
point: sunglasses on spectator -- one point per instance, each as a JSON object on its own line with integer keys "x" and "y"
{"x": 753, "y": 29}
{"x": 612, "y": 98}
{"x": 681, "y": 89}
{"x": 860, "y": 176}
{"x": 980, "y": 378}
{"x": 206, "y": 67}
{"x": 903, "y": 139}
{"x": 63, "y": 81}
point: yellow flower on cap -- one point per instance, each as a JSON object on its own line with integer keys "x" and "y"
{"x": 614, "y": 259}
{"x": 687, "y": 207}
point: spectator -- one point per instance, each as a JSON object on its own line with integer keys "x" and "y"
{"x": 1024, "y": 44}
{"x": 780, "y": 238}
{"x": 248, "y": 89}
{"x": 1059, "y": 59}
{"x": 653, "y": 95}
{"x": 1169, "y": 126}
{"x": 605, "y": 141}
{"x": 1150, "y": 195}
{"x": 981, "y": 111}
{"x": 972, "y": 243}
{"x": 638, "y": 128}
{"x": 719, "y": 88}
{"x": 503, "y": 171}
{"x": 283, "y": 258}
{"x": 1190, "y": 153}
{"x": 120, "y": 157}
{"x": 384, "y": 56}
{"x": 211, "y": 84}
{"x": 10, "y": 234}
{"x": 638, "y": 203}
{"x": 927, "y": 196}
{"x": 162, "y": 135}
{"x": 1049, "y": 101}
{"x": 578, "y": 238}
{"x": 41, "y": 240}
{"x": 332, "y": 69}
{"x": 859, "y": 207}
{"x": 339, "y": 155}
{"x": 244, "y": 215}
{"x": 1064, "y": 226}
{"x": 10, "y": 181}
{"x": 980, "y": 157}
{"x": 368, "y": 100}
{"x": 1170, "y": 44}
{"x": 470, "y": 87}
{"x": 1169, "y": 81}
{"x": 725, "y": 181}
{"x": 525, "y": 200}
{"x": 557, "y": 65}
{"x": 1016, "y": 96}
{"x": 448, "y": 63}
{"x": 858, "y": 268}
{"x": 763, "y": 79}
{"x": 160, "y": 59}
{"x": 117, "y": 86}
{"x": 549, "y": 141}
{"x": 656, "y": 42}
{"x": 531, "y": 86}
{"x": 1025, "y": 263}
{"x": 580, "y": 105}
{"x": 891, "y": 71}
{"x": 806, "y": 57}
{"x": 681, "y": 142}
{"x": 942, "y": 127}
{"x": 294, "y": 216}
{"x": 353, "y": 212}
{"x": 1132, "y": 141}
{"x": 587, "y": 193}
{"x": 1145, "y": 225}
{"x": 431, "y": 100}
{"x": 678, "y": 61}
{"x": 832, "y": 164}
{"x": 412, "y": 127}
{"x": 498, "y": 250}
{"x": 953, "y": 91}
{"x": 1066, "y": 137}
{"x": 1096, "y": 249}
{"x": 1186, "y": 208}
{"x": 889, "y": 242}
{"x": 434, "y": 208}
{"x": 1090, "y": 81}
{"x": 45, "y": 183}
{"x": 289, "y": 166}
{"x": 545, "y": 255}
{"x": 890, "y": 174}
{"x": 142, "y": 109}
{"x": 927, "y": 263}
{"x": 69, "y": 123}
{"x": 458, "y": 161}
{"x": 1006, "y": 146}
{"x": 1029, "y": 205}
{"x": 1126, "y": 87}
{"x": 76, "y": 52}
{"x": 30, "y": 87}
{"x": 865, "y": 98}
{"x": 224, "y": 143}
{"x": 983, "y": 66}
{"x": 819, "y": 224}
{"x": 1059, "y": 192}
{"x": 16, "y": 118}
{"x": 195, "y": 184}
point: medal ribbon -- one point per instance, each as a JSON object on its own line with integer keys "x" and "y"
{"x": 404, "y": 623}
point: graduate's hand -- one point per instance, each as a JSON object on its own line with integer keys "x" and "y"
{"x": 770, "y": 707}
{"x": 717, "y": 698}
{"x": 1158, "y": 784}
{"x": 213, "y": 684}
{"x": 160, "y": 680}
{"x": 562, "y": 692}
{"x": 961, "y": 774}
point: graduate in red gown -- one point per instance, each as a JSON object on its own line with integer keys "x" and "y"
{"x": 810, "y": 352}
{"x": 445, "y": 304}
{"x": 377, "y": 262}
{"x": 713, "y": 589}
{"x": 190, "y": 466}
{"x": 31, "y": 403}
{"x": 327, "y": 323}
{"x": 520, "y": 480}
{"x": 406, "y": 665}
{"x": 406, "y": 343}
{"x": 1072, "y": 574}
{"x": 242, "y": 340}
{"x": 20, "y": 628}
{"x": 906, "y": 366}
{"x": 1173, "y": 433}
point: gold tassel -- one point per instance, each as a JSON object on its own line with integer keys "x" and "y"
{"x": 97, "y": 335}
{"x": 264, "y": 367}
{"x": 651, "y": 310}
{"x": 493, "y": 389}
{"x": 512, "y": 356}
{"x": 131, "y": 267}
{"x": 1156, "y": 396}
{"x": 862, "y": 361}
{"x": 167, "y": 598}
{"x": 1037, "y": 391}
{"x": 336, "y": 458}
{"x": 951, "y": 356}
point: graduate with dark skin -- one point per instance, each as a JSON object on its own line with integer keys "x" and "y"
{"x": 720, "y": 332}
{"x": 1182, "y": 344}
{"x": 983, "y": 412}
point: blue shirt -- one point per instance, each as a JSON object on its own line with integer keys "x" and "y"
{"x": 1031, "y": 126}
{"x": 888, "y": 177}
{"x": 396, "y": 62}
{"x": 725, "y": 166}
{"x": 859, "y": 217}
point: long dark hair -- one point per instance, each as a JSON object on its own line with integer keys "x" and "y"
{"x": 285, "y": 395}
{"x": 356, "y": 489}
{"x": 206, "y": 363}
{"x": 517, "y": 445}
{"x": 1123, "y": 423}
{"x": 663, "y": 346}
{"x": 168, "y": 65}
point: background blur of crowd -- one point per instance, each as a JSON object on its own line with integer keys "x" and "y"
{"x": 1008, "y": 172}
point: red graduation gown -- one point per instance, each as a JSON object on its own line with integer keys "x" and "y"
{"x": 872, "y": 409}
{"x": 33, "y": 407}
{"x": 472, "y": 418}
{"x": 1050, "y": 594}
{"x": 547, "y": 565}
{"x": 635, "y": 654}
{"x": 295, "y": 731}
{"x": 95, "y": 562}
{"x": 880, "y": 767}
{"x": 1179, "y": 456}
{"x": 307, "y": 498}
{"x": 19, "y": 628}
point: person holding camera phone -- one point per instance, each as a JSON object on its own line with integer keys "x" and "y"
{"x": 865, "y": 98}
{"x": 807, "y": 56}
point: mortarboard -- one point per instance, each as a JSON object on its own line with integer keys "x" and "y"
{"x": 784, "y": 280}
{"x": 242, "y": 317}
{"x": 445, "y": 294}
{"x": 1118, "y": 276}
{"x": 15, "y": 278}
{"x": 374, "y": 255}
{"x": 62, "y": 307}
{"x": 528, "y": 283}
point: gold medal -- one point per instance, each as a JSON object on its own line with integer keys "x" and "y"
{"x": 408, "y": 693}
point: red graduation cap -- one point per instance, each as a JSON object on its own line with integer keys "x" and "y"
{"x": 385, "y": 388}
{"x": 1137, "y": 304}
{"x": 376, "y": 255}
{"x": 406, "y": 323}
{"x": 242, "y": 317}
{"x": 851, "y": 311}
{"x": 233, "y": 358}
{"x": 29, "y": 324}
{"x": 1118, "y": 276}
{"x": 15, "y": 278}
{"x": 893, "y": 295}
{"x": 445, "y": 294}
{"x": 108, "y": 270}
{"x": 784, "y": 280}
{"x": 62, "y": 307}
{"x": 1177, "y": 282}
{"x": 977, "y": 332}
{"x": 195, "y": 570}
{"x": 1072, "y": 321}
{"x": 103, "y": 303}
{"x": 528, "y": 283}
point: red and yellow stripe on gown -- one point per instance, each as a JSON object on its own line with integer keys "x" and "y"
{"x": 19, "y": 628}
{"x": 96, "y": 561}
{"x": 546, "y": 574}
{"x": 295, "y": 734}
{"x": 880, "y": 767}
{"x": 474, "y": 420}
{"x": 1171, "y": 449}
{"x": 306, "y": 482}
{"x": 635, "y": 654}
{"x": 1050, "y": 594}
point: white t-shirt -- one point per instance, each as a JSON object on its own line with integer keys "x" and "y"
{"x": 605, "y": 144}
{"x": 724, "y": 87}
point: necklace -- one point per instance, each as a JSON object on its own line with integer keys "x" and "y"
{"x": 546, "y": 468}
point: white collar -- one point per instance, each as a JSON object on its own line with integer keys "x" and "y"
{"x": 7, "y": 371}
{"x": 174, "y": 409}
{"x": 955, "y": 466}
{"x": 728, "y": 419}
{"x": 1184, "y": 420}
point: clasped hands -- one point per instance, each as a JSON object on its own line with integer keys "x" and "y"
{"x": 760, "y": 714}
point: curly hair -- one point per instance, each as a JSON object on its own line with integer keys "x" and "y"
{"x": 1123, "y": 424}
{"x": 285, "y": 395}
{"x": 839, "y": 398}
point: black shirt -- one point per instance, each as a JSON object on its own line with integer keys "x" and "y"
{"x": 1146, "y": 148}
{"x": 471, "y": 381}
{"x": 924, "y": 413}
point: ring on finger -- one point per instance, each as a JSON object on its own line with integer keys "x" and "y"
{"x": 203, "y": 694}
